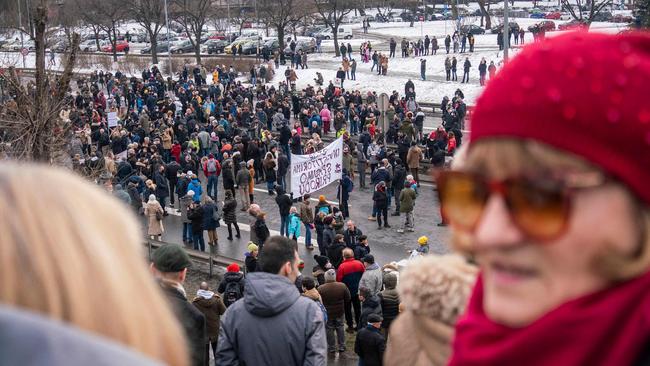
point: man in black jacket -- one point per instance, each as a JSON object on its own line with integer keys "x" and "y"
{"x": 399, "y": 176}
{"x": 169, "y": 265}
{"x": 171, "y": 170}
{"x": 284, "y": 202}
{"x": 370, "y": 344}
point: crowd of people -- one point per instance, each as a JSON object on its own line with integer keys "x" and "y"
{"x": 548, "y": 231}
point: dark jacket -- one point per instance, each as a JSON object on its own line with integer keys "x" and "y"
{"x": 261, "y": 231}
{"x": 369, "y": 306}
{"x": 228, "y": 177}
{"x": 196, "y": 216}
{"x": 334, "y": 296}
{"x": 209, "y": 223}
{"x": 162, "y": 186}
{"x": 381, "y": 199}
{"x": 335, "y": 253}
{"x": 370, "y": 346}
{"x": 328, "y": 236}
{"x": 212, "y": 308}
{"x": 272, "y": 325}
{"x": 352, "y": 237}
{"x": 350, "y": 272}
{"x": 229, "y": 207}
{"x": 192, "y": 321}
{"x": 361, "y": 251}
{"x": 284, "y": 202}
{"x": 251, "y": 263}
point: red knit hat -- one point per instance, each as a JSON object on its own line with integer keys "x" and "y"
{"x": 233, "y": 267}
{"x": 585, "y": 93}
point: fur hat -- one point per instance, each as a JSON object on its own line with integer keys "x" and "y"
{"x": 437, "y": 286}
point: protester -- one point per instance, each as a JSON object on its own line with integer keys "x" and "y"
{"x": 231, "y": 286}
{"x": 169, "y": 265}
{"x": 350, "y": 272}
{"x": 273, "y": 325}
{"x": 370, "y": 344}
{"x": 212, "y": 307}
{"x": 372, "y": 278}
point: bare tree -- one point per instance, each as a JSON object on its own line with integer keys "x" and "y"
{"x": 485, "y": 14}
{"x": 30, "y": 122}
{"x": 279, "y": 14}
{"x": 384, "y": 7}
{"x": 193, "y": 15}
{"x": 106, "y": 16}
{"x": 584, "y": 11}
{"x": 150, "y": 15}
{"x": 332, "y": 13}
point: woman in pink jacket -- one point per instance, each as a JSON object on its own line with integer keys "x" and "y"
{"x": 325, "y": 117}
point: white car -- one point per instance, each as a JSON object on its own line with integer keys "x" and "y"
{"x": 88, "y": 46}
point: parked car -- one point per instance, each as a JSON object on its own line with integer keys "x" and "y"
{"x": 228, "y": 48}
{"x": 60, "y": 46}
{"x": 537, "y": 14}
{"x": 553, "y": 15}
{"x": 89, "y": 45}
{"x": 622, "y": 18}
{"x": 215, "y": 46}
{"x": 182, "y": 47}
{"x": 574, "y": 24}
{"x": 514, "y": 27}
{"x": 216, "y": 35}
{"x": 162, "y": 47}
{"x": 271, "y": 45}
{"x": 120, "y": 46}
{"x": 306, "y": 44}
{"x": 546, "y": 26}
{"x": 250, "y": 47}
{"x": 472, "y": 29}
{"x": 603, "y": 16}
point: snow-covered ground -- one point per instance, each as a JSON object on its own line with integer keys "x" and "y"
{"x": 399, "y": 69}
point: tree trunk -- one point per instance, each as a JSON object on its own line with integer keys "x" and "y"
{"x": 154, "y": 47}
{"x": 40, "y": 150}
{"x": 197, "y": 48}
{"x": 114, "y": 43}
{"x": 280, "y": 29}
{"x": 485, "y": 14}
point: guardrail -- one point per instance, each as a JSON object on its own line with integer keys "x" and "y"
{"x": 210, "y": 258}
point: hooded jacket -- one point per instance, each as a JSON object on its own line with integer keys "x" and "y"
{"x": 211, "y": 305}
{"x": 372, "y": 279}
{"x": 273, "y": 325}
{"x": 195, "y": 186}
{"x": 371, "y": 305}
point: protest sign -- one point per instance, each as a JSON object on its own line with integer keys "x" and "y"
{"x": 309, "y": 173}
{"x": 112, "y": 119}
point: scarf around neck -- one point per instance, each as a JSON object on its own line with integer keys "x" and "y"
{"x": 608, "y": 327}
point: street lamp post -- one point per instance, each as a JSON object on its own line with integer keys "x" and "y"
{"x": 506, "y": 32}
{"x": 20, "y": 25}
{"x": 169, "y": 55}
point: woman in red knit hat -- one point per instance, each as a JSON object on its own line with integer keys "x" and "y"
{"x": 555, "y": 208}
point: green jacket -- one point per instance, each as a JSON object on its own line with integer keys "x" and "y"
{"x": 406, "y": 200}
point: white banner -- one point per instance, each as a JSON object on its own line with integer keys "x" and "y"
{"x": 112, "y": 119}
{"x": 309, "y": 173}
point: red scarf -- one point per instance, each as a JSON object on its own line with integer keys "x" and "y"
{"x": 609, "y": 327}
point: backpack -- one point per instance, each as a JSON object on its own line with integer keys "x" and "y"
{"x": 212, "y": 166}
{"x": 232, "y": 293}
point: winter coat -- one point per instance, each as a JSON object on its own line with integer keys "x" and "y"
{"x": 435, "y": 291}
{"x": 380, "y": 175}
{"x": 251, "y": 263}
{"x": 372, "y": 279}
{"x": 389, "y": 299}
{"x": 196, "y": 216}
{"x": 413, "y": 157}
{"x": 294, "y": 225}
{"x": 195, "y": 186}
{"x": 399, "y": 176}
{"x": 272, "y": 325}
{"x": 155, "y": 226}
{"x": 352, "y": 237}
{"x": 228, "y": 177}
{"x": 334, "y": 296}
{"x": 328, "y": 236}
{"x": 370, "y": 346}
{"x": 369, "y": 306}
{"x": 209, "y": 223}
{"x": 192, "y": 321}
{"x": 350, "y": 272}
{"x": 335, "y": 253}
{"x": 407, "y": 200}
{"x": 306, "y": 215}
{"x": 162, "y": 186}
{"x": 212, "y": 307}
{"x": 243, "y": 176}
{"x": 229, "y": 215}
{"x": 284, "y": 203}
{"x": 381, "y": 199}
{"x": 361, "y": 251}
{"x": 261, "y": 232}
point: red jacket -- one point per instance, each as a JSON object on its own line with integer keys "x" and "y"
{"x": 350, "y": 272}
{"x": 176, "y": 152}
{"x": 205, "y": 168}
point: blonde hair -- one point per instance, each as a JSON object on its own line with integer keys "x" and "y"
{"x": 71, "y": 252}
{"x": 504, "y": 157}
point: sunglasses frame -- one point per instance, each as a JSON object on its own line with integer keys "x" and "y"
{"x": 569, "y": 184}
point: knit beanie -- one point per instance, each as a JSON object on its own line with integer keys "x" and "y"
{"x": 252, "y": 247}
{"x": 233, "y": 267}
{"x": 584, "y": 93}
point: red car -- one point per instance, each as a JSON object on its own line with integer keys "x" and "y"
{"x": 121, "y": 46}
{"x": 621, "y": 18}
{"x": 574, "y": 24}
{"x": 553, "y": 15}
